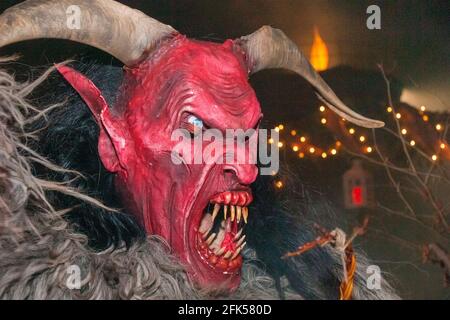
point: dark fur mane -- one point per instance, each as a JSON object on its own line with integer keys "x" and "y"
{"x": 69, "y": 139}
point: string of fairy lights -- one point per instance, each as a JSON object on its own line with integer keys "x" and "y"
{"x": 404, "y": 131}
{"x": 302, "y": 146}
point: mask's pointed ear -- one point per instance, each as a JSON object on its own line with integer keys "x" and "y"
{"x": 86, "y": 89}
{"x": 112, "y": 133}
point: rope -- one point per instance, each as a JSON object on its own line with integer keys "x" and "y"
{"x": 337, "y": 239}
{"x": 346, "y": 287}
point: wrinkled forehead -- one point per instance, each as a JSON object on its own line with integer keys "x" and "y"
{"x": 184, "y": 66}
{"x": 208, "y": 59}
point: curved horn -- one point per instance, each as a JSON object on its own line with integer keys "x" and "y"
{"x": 108, "y": 25}
{"x": 270, "y": 48}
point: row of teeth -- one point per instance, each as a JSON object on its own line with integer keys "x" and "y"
{"x": 237, "y": 212}
{"x": 240, "y": 244}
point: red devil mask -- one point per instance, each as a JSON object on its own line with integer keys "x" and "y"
{"x": 170, "y": 83}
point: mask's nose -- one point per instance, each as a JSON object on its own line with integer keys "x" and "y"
{"x": 241, "y": 163}
{"x": 245, "y": 173}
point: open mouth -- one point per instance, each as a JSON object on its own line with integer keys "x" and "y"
{"x": 220, "y": 236}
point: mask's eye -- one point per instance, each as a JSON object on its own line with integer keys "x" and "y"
{"x": 194, "y": 125}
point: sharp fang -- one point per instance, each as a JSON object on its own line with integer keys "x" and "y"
{"x": 245, "y": 214}
{"x": 227, "y": 255}
{"x": 206, "y": 234}
{"x": 238, "y": 235}
{"x": 240, "y": 241}
{"x": 236, "y": 253}
{"x": 225, "y": 209}
{"x": 239, "y": 213}
{"x": 232, "y": 213}
{"x": 220, "y": 251}
{"x": 211, "y": 239}
{"x": 215, "y": 211}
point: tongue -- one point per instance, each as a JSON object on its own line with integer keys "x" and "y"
{"x": 228, "y": 242}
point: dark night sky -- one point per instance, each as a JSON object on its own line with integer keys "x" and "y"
{"x": 413, "y": 43}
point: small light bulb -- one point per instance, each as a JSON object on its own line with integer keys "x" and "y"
{"x": 351, "y": 131}
{"x": 301, "y": 155}
{"x": 422, "y": 108}
{"x": 279, "y": 184}
{"x": 389, "y": 109}
{"x": 333, "y": 151}
{"x": 323, "y": 121}
{"x": 398, "y": 115}
{"x": 322, "y": 109}
{"x": 312, "y": 150}
{"x": 404, "y": 131}
{"x": 412, "y": 143}
{"x": 434, "y": 157}
{"x": 302, "y": 139}
{"x": 338, "y": 143}
{"x": 281, "y": 127}
{"x": 369, "y": 149}
{"x": 442, "y": 145}
{"x": 362, "y": 138}
{"x": 280, "y": 144}
{"x": 324, "y": 155}
{"x": 438, "y": 127}
{"x": 270, "y": 141}
{"x": 293, "y": 133}
{"x": 277, "y": 129}
{"x": 295, "y": 148}
{"x": 425, "y": 118}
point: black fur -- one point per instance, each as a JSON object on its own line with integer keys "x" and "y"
{"x": 281, "y": 222}
{"x": 70, "y": 140}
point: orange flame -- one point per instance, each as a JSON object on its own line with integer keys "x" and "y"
{"x": 319, "y": 52}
